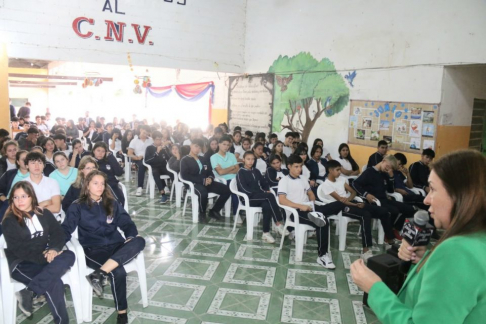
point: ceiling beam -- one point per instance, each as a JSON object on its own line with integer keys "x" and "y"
{"x": 31, "y": 86}
{"x": 41, "y": 82}
{"x": 55, "y": 77}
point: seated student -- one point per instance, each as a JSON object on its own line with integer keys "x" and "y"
{"x": 226, "y": 166}
{"x": 317, "y": 165}
{"x": 249, "y": 134}
{"x": 61, "y": 144}
{"x": 194, "y": 170}
{"x": 157, "y": 155}
{"x": 260, "y": 138}
{"x": 7, "y": 161}
{"x": 212, "y": 149}
{"x": 35, "y": 241}
{"x": 218, "y": 132}
{"x": 259, "y": 163}
{"x": 49, "y": 148}
{"x": 107, "y": 135}
{"x": 289, "y": 139}
{"x": 108, "y": 164}
{"x": 349, "y": 167}
{"x": 325, "y": 153}
{"x": 236, "y": 142}
{"x": 48, "y": 167}
{"x": 294, "y": 191}
{"x": 336, "y": 188}
{"x": 377, "y": 157}
{"x": 245, "y": 147}
{"x": 23, "y": 134}
{"x": 15, "y": 126}
{"x": 64, "y": 174}
{"x": 375, "y": 182}
{"x": 46, "y": 189}
{"x": 136, "y": 152}
{"x": 403, "y": 181}
{"x": 175, "y": 159}
{"x": 77, "y": 154}
{"x": 251, "y": 182}
{"x": 115, "y": 144}
{"x": 98, "y": 218}
{"x": 275, "y": 172}
{"x": 420, "y": 170}
{"x": 28, "y": 142}
{"x": 306, "y": 174}
{"x": 98, "y": 134}
{"x": 272, "y": 139}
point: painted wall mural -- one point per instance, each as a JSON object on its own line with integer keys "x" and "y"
{"x": 305, "y": 90}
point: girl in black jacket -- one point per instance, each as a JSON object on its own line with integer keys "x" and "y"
{"x": 34, "y": 251}
{"x": 251, "y": 182}
{"x": 316, "y": 165}
{"x": 97, "y": 216}
{"x": 7, "y": 161}
{"x": 275, "y": 172}
{"x": 110, "y": 166}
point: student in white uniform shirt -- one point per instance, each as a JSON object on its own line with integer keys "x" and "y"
{"x": 325, "y": 153}
{"x": 289, "y": 139}
{"x": 61, "y": 144}
{"x": 349, "y": 167}
{"x": 259, "y": 164}
{"x": 245, "y": 146}
{"x": 136, "y": 151}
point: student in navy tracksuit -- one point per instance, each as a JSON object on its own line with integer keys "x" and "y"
{"x": 198, "y": 172}
{"x": 157, "y": 155}
{"x": 108, "y": 163}
{"x": 403, "y": 183}
{"x": 316, "y": 165}
{"x": 274, "y": 171}
{"x": 420, "y": 170}
{"x": 34, "y": 252}
{"x": 251, "y": 182}
{"x": 77, "y": 154}
{"x": 377, "y": 157}
{"x": 375, "y": 182}
{"x": 98, "y": 216}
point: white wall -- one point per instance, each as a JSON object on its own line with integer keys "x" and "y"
{"x": 461, "y": 85}
{"x": 202, "y": 35}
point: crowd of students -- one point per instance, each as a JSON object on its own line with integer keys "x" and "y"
{"x": 68, "y": 172}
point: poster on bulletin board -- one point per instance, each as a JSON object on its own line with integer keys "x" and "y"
{"x": 407, "y": 127}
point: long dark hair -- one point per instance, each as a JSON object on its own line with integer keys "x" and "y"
{"x": 102, "y": 145}
{"x": 465, "y": 188}
{"x": 13, "y": 211}
{"x": 354, "y": 165}
{"x": 125, "y": 141}
{"x": 107, "y": 198}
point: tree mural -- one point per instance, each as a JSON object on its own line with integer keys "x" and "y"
{"x": 306, "y": 89}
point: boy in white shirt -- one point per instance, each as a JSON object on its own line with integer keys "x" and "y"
{"x": 294, "y": 191}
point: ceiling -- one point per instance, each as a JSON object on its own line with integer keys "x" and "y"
{"x": 27, "y": 64}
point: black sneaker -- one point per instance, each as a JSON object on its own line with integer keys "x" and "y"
{"x": 214, "y": 214}
{"x": 25, "y": 298}
{"x": 202, "y": 218}
{"x": 122, "y": 319}
{"x": 317, "y": 218}
{"x": 95, "y": 280}
{"x": 38, "y": 301}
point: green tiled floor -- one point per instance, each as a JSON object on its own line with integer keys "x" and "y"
{"x": 206, "y": 273}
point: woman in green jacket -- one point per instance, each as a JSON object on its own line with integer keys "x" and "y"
{"x": 447, "y": 284}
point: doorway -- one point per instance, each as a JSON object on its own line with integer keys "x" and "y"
{"x": 477, "y": 138}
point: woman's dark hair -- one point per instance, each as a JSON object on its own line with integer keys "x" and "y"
{"x": 35, "y": 156}
{"x": 13, "y": 211}
{"x": 178, "y": 147}
{"x": 294, "y": 159}
{"x": 317, "y": 140}
{"x": 60, "y": 153}
{"x": 300, "y": 150}
{"x": 17, "y": 157}
{"x": 107, "y": 198}
{"x": 125, "y": 141}
{"x": 44, "y": 142}
{"x": 76, "y": 141}
{"x": 102, "y": 145}
{"x": 7, "y": 144}
{"x": 302, "y": 145}
{"x": 257, "y": 144}
{"x": 234, "y": 134}
{"x": 354, "y": 165}
{"x": 401, "y": 157}
{"x": 314, "y": 150}
{"x": 468, "y": 214}
{"x": 185, "y": 150}
{"x": 248, "y": 153}
{"x": 116, "y": 131}
{"x": 246, "y": 139}
{"x": 274, "y": 157}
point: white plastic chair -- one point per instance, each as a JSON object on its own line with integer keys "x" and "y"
{"x": 252, "y": 213}
{"x": 128, "y": 166}
{"x": 177, "y": 186}
{"x": 363, "y": 168}
{"x": 151, "y": 180}
{"x": 124, "y": 190}
{"x": 137, "y": 264}
{"x": 418, "y": 191}
{"x": 396, "y": 195}
{"x": 9, "y": 287}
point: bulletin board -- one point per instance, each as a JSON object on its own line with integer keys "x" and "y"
{"x": 407, "y": 127}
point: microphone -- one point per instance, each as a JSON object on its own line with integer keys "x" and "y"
{"x": 416, "y": 232}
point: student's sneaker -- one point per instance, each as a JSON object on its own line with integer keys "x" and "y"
{"x": 122, "y": 319}
{"x": 317, "y": 218}
{"x": 326, "y": 261}
{"x": 104, "y": 280}
{"x": 25, "y": 298}
{"x": 139, "y": 192}
{"x": 268, "y": 238}
{"x": 282, "y": 231}
{"x": 95, "y": 280}
{"x": 214, "y": 214}
{"x": 311, "y": 234}
{"x": 39, "y": 301}
{"x": 163, "y": 199}
{"x": 167, "y": 190}
{"x": 239, "y": 221}
{"x": 292, "y": 235}
{"x": 365, "y": 256}
{"x": 202, "y": 218}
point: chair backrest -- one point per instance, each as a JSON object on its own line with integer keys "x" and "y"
{"x": 363, "y": 168}
{"x": 3, "y": 243}
{"x": 190, "y": 184}
{"x": 176, "y": 177}
{"x": 124, "y": 190}
{"x": 148, "y": 166}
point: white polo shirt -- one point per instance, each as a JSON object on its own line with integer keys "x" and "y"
{"x": 294, "y": 188}
{"x": 338, "y": 187}
{"x": 46, "y": 189}
{"x": 287, "y": 151}
{"x": 345, "y": 164}
{"x": 140, "y": 146}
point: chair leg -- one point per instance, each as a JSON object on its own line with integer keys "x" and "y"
{"x": 381, "y": 233}
{"x": 343, "y": 228}
{"x": 178, "y": 194}
{"x": 195, "y": 209}
{"x": 236, "y": 218}
{"x": 172, "y": 190}
{"x": 185, "y": 204}
{"x": 250, "y": 218}
{"x": 299, "y": 244}
{"x": 142, "y": 278}
{"x": 87, "y": 293}
{"x": 227, "y": 208}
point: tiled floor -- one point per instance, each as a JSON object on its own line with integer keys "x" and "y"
{"x": 205, "y": 273}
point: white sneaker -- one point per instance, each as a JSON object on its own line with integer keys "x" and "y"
{"x": 268, "y": 238}
{"x": 139, "y": 192}
{"x": 317, "y": 218}
{"x": 365, "y": 256}
{"x": 167, "y": 190}
{"x": 292, "y": 235}
{"x": 282, "y": 231}
{"x": 326, "y": 261}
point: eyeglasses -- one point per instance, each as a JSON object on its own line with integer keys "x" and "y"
{"x": 21, "y": 197}
{"x": 90, "y": 169}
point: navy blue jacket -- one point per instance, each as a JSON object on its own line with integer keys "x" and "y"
{"x": 271, "y": 176}
{"x": 374, "y": 159}
{"x": 93, "y": 226}
{"x": 73, "y": 194}
{"x": 251, "y": 181}
{"x": 420, "y": 174}
{"x": 48, "y": 168}
{"x": 374, "y": 182}
{"x": 314, "y": 169}
{"x": 190, "y": 170}
{"x": 111, "y": 168}
{"x": 78, "y": 158}
{"x": 6, "y": 181}
{"x": 156, "y": 160}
